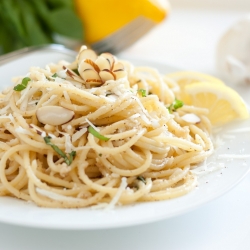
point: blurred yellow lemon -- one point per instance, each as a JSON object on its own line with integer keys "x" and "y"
{"x": 102, "y": 18}
{"x": 224, "y": 103}
{"x": 184, "y": 78}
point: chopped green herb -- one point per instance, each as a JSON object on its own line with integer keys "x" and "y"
{"x": 100, "y": 155}
{"x": 175, "y": 105}
{"x": 97, "y": 134}
{"x": 55, "y": 75}
{"x": 142, "y": 92}
{"x": 141, "y": 178}
{"x": 68, "y": 160}
{"x": 23, "y": 85}
{"x": 76, "y": 71}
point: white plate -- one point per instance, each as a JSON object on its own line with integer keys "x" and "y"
{"x": 211, "y": 186}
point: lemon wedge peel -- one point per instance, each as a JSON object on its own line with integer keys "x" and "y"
{"x": 224, "y": 103}
{"x": 184, "y": 78}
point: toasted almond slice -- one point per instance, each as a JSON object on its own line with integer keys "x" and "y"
{"x": 110, "y": 58}
{"x": 102, "y": 63}
{"x": 91, "y": 76}
{"x": 96, "y": 82}
{"x": 118, "y": 66}
{"x": 86, "y": 54}
{"x": 93, "y": 64}
{"x": 73, "y": 65}
{"x": 107, "y": 75}
{"x": 120, "y": 73}
{"x": 73, "y": 75}
{"x": 83, "y": 66}
{"x": 191, "y": 118}
{"x": 54, "y": 115}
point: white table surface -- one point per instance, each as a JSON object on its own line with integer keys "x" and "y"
{"x": 186, "y": 40}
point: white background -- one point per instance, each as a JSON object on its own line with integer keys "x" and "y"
{"x": 187, "y": 39}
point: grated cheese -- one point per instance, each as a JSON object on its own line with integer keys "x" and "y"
{"x": 23, "y": 131}
{"x": 118, "y": 194}
{"x": 78, "y": 134}
{"x": 92, "y": 125}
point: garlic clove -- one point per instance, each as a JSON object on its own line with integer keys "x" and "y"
{"x": 106, "y": 75}
{"x": 86, "y": 54}
{"x": 233, "y": 50}
{"x": 54, "y": 115}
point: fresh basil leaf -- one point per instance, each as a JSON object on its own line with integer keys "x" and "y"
{"x": 97, "y": 134}
{"x": 23, "y": 85}
{"x": 142, "y": 92}
{"x": 175, "y": 105}
{"x": 68, "y": 160}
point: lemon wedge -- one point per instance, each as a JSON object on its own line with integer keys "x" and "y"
{"x": 224, "y": 103}
{"x": 184, "y": 78}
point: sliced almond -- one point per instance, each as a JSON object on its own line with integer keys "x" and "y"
{"x": 73, "y": 65}
{"x": 83, "y": 66}
{"x": 93, "y": 64}
{"x": 73, "y": 75}
{"x": 91, "y": 76}
{"x": 118, "y": 66}
{"x": 106, "y": 75}
{"x": 110, "y": 58}
{"x": 191, "y": 118}
{"x": 102, "y": 63}
{"x": 120, "y": 73}
{"x": 86, "y": 54}
{"x": 54, "y": 115}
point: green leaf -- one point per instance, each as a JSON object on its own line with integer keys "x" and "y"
{"x": 65, "y": 22}
{"x": 175, "y": 105}
{"x": 141, "y": 178}
{"x": 23, "y": 85}
{"x": 97, "y": 134}
{"x": 142, "y": 92}
{"x": 68, "y": 160}
{"x": 60, "y": 4}
{"x": 33, "y": 22}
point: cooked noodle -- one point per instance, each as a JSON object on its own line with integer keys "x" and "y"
{"x": 147, "y": 154}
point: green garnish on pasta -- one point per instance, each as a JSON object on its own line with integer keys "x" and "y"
{"x": 142, "y": 92}
{"x": 175, "y": 105}
{"x": 68, "y": 159}
{"x": 23, "y": 85}
{"x": 97, "y": 134}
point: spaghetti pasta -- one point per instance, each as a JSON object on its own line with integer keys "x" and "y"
{"x": 113, "y": 140}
